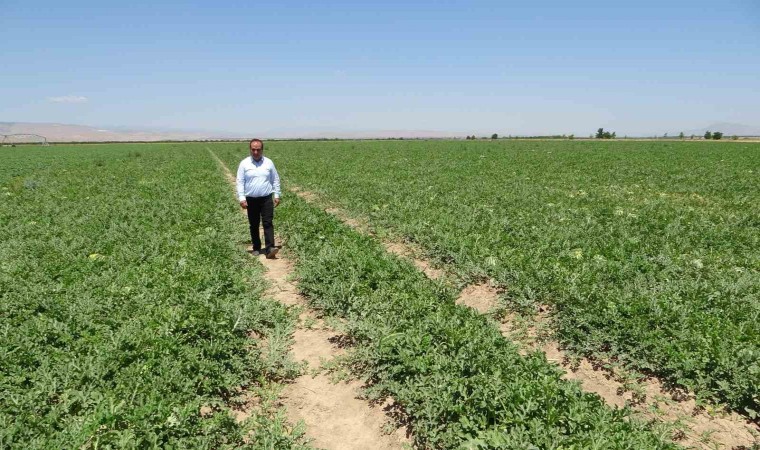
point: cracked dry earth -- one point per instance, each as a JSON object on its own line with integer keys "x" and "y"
{"x": 335, "y": 416}
{"x": 693, "y": 427}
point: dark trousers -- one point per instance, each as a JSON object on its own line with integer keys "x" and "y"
{"x": 261, "y": 210}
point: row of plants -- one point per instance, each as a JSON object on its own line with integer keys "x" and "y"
{"x": 129, "y": 316}
{"x": 453, "y": 377}
{"x": 647, "y": 252}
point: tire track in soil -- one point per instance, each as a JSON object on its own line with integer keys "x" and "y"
{"x": 694, "y": 427}
{"x": 335, "y": 416}
{"x": 397, "y": 248}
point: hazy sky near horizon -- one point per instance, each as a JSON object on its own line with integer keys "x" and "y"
{"x": 511, "y": 67}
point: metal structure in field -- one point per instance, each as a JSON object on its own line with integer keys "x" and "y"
{"x": 23, "y": 138}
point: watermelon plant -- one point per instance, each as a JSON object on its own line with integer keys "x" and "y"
{"x": 647, "y": 252}
{"x": 127, "y": 307}
{"x": 455, "y": 378}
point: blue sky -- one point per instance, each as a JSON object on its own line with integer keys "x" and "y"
{"x": 636, "y": 67}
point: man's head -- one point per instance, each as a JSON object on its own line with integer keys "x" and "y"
{"x": 257, "y": 149}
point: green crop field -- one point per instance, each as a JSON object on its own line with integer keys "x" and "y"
{"x": 128, "y": 305}
{"x": 648, "y": 253}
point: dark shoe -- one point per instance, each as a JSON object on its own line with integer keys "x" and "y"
{"x": 272, "y": 252}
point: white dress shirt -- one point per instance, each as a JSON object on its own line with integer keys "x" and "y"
{"x": 257, "y": 178}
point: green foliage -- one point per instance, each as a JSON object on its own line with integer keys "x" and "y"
{"x": 717, "y": 135}
{"x": 708, "y": 135}
{"x": 126, "y": 303}
{"x": 495, "y": 136}
{"x": 455, "y": 377}
{"x": 601, "y": 134}
{"x": 646, "y": 251}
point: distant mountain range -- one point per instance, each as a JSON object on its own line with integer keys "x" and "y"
{"x": 58, "y": 132}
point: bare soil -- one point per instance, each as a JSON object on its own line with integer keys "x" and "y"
{"x": 397, "y": 248}
{"x": 483, "y": 297}
{"x": 693, "y": 427}
{"x": 406, "y": 251}
{"x": 700, "y": 428}
{"x": 335, "y": 415}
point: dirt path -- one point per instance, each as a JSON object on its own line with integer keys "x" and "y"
{"x": 335, "y": 417}
{"x": 692, "y": 426}
{"x": 397, "y": 248}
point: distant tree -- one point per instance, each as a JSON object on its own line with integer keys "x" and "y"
{"x": 495, "y": 136}
{"x": 665, "y": 135}
{"x": 708, "y": 135}
{"x": 571, "y": 137}
{"x": 692, "y": 137}
{"x": 717, "y": 135}
{"x": 601, "y": 134}
{"x": 680, "y": 135}
{"x": 734, "y": 137}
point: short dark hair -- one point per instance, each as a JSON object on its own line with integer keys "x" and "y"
{"x": 256, "y": 140}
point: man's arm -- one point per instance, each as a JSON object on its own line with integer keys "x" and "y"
{"x": 275, "y": 179}
{"x": 240, "y": 179}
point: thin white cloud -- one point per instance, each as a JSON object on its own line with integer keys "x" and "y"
{"x": 68, "y": 99}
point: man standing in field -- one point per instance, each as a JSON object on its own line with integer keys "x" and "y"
{"x": 258, "y": 189}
